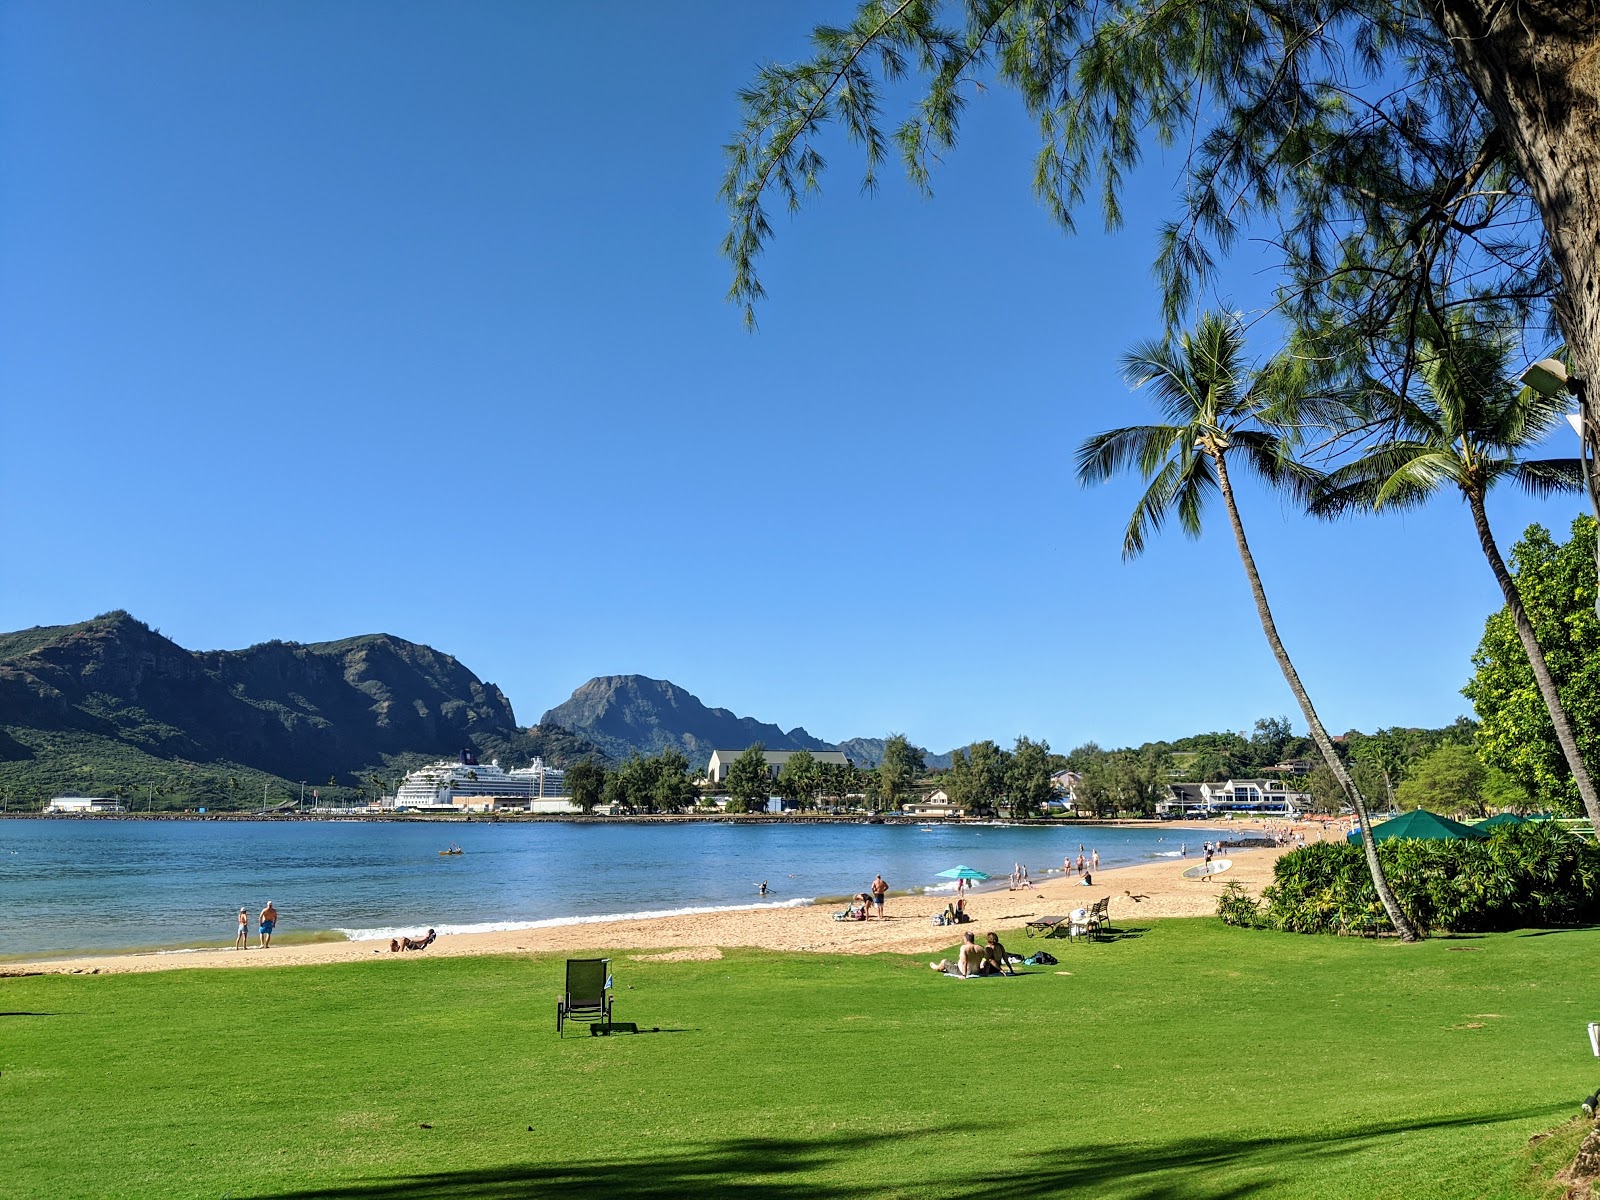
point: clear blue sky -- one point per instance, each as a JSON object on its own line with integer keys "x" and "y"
{"x": 319, "y": 320}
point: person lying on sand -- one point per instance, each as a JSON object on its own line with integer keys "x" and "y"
{"x": 405, "y": 943}
{"x": 967, "y": 964}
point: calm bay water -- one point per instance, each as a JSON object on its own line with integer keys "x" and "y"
{"x": 105, "y": 885}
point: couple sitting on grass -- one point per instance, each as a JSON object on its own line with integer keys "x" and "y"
{"x": 975, "y": 960}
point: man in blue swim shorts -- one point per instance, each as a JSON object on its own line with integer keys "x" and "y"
{"x": 269, "y": 920}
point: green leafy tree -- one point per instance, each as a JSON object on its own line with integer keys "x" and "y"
{"x": 1557, "y": 586}
{"x": 1451, "y": 780}
{"x": 672, "y": 787}
{"x": 897, "y": 771}
{"x": 1137, "y": 779}
{"x": 749, "y": 781}
{"x": 1027, "y": 777}
{"x": 1469, "y": 429}
{"x": 801, "y": 779}
{"x": 1219, "y": 411}
{"x": 978, "y": 777}
{"x": 586, "y": 781}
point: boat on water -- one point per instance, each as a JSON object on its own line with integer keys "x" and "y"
{"x": 450, "y": 852}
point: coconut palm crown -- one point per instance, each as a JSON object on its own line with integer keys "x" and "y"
{"x": 1468, "y": 428}
{"x": 1218, "y": 410}
{"x": 1213, "y": 405}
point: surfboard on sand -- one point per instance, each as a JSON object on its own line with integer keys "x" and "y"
{"x": 1201, "y": 870}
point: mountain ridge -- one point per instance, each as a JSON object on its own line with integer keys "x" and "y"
{"x": 626, "y": 714}
{"x": 115, "y": 689}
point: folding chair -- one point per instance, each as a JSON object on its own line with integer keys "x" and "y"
{"x": 588, "y": 994}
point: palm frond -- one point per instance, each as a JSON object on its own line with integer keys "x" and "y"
{"x": 1419, "y": 478}
{"x": 1111, "y": 453}
{"x": 1547, "y": 476}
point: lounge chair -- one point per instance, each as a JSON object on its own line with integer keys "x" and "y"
{"x": 1047, "y": 926}
{"x": 588, "y": 994}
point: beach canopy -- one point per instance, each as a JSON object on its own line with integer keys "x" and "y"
{"x": 1420, "y": 824}
{"x": 1495, "y": 822}
{"x": 963, "y": 873}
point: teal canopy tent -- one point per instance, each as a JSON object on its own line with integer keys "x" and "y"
{"x": 1420, "y": 824}
{"x": 1500, "y": 819}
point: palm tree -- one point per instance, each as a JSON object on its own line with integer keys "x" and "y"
{"x": 1468, "y": 429}
{"x": 1217, "y": 410}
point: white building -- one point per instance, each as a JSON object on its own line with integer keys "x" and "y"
{"x": 85, "y": 804}
{"x": 721, "y": 760}
{"x": 469, "y": 786}
{"x": 1260, "y": 797}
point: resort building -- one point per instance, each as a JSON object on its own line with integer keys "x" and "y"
{"x": 85, "y": 804}
{"x": 721, "y": 760}
{"x": 1259, "y": 797}
{"x": 468, "y": 786}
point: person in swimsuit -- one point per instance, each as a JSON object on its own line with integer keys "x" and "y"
{"x": 968, "y": 963}
{"x": 879, "y": 890}
{"x": 242, "y": 941}
{"x": 269, "y": 922}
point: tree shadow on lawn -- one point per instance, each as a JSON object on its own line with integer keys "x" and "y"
{"x": 788, "y": 1169}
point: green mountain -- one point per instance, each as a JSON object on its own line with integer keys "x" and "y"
{"x": 867, "y": 753}
{"x": 626, "y": 714}
{"x": 110, "y": 706}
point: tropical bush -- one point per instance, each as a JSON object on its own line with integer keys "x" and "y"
{"x": 1523, "y": 875}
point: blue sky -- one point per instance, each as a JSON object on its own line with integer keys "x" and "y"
{"x": 318, "y": 320}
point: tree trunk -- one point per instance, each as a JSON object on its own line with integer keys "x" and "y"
{"x": 1541, "y": 670}
{"x": 1391, "y": 904}
{"x": 1536, "y": 64}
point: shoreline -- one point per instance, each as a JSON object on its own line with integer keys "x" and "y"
{"x": 1138, "y": 892}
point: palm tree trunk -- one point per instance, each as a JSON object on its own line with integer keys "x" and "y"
{"x": 1541, "y": 670}
{"x": 1391, "y": 904}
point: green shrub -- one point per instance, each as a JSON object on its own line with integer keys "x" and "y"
{"x": 1238, "y": 907}
{"x": 1522, "y": 875}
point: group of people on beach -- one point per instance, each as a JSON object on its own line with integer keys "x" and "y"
{"x": 267, "y": 922}
{"x": 1084, "y": 865}
{"x": 973, "y": 960}
{"x": 868, "y": 903}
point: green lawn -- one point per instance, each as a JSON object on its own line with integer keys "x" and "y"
{"x": 1188, "y": 1060}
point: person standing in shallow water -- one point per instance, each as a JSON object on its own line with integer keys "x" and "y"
{"x": 269, "y": 922}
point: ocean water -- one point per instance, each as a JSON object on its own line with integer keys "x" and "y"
{"x": 68, "y": 886}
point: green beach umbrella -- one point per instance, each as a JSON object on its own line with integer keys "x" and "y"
{"x": 1500, "y": 819}
{"x": 1421, "y": 824}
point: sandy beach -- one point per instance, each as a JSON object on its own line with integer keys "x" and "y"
{"x": 1137, "y": 893}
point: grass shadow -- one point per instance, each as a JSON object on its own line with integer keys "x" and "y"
{"x": 1184, "y": 1168}
{"x": 28, "y": 1014}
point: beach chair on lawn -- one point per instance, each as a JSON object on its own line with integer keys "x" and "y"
{"x": 1099, "y": 919}
{"x": 588, "y": 993}
{"x": 1047, "y": 926}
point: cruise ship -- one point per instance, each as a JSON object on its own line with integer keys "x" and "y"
{"x": 447, "y": 786}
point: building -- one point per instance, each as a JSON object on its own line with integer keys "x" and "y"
{"x": 935, "y": 804}
{"x": 468, "y": 786}
{"x": 721, "y": 760}
{"x": 1258, "y": 797}
{"x": 85, "y": 804}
